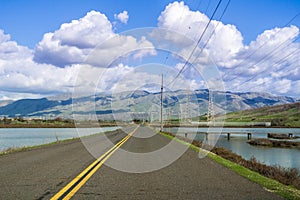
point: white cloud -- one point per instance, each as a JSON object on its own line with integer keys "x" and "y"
{"x": 132, "y": 78}
{"x": 295, "y": 88}
{"x": 74, "y": 41}
{"x": 268, "y": 49}
{"x": 178, "y": 17}
{"x": 272, "y": 65}
{"x": 122, "y": 78}
{"x": 120, "y": 46}
{"x": 27, "y": 76}
{"x": 19, "y": 74}
{"x": 86, "y": 32}
{"x": 274, "y": 37}
{"x": 4, "y": 96}
{"x": 283, "y": 86}
{"x": 122, "y": 17}
{"x": 4, "y": 37}
{"x": 225, "y": 40}
{"x": 268, "y": 64}
{"x": 10, "y": 50}
{"x": 56, "y": 61}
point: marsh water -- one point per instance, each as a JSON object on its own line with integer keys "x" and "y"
{"x": 22, "y": 137}
{"x": 285, "y": 157}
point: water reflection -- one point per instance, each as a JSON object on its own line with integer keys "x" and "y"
{"x": 285, "y": 157}
{"x": 20, "y": 137}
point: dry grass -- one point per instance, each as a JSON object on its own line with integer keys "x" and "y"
{"x": 287, "y": 176}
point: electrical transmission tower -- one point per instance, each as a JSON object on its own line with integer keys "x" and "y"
{"x": 188, "y": 109}
{"x": 211, "y": 111}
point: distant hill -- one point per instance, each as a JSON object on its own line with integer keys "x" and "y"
{"x": 280, "y": 115}
{"x": 179, "y": 103}
{"x": 5, "y": 102}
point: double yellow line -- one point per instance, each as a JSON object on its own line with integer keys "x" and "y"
{"x": 69, "y": 190}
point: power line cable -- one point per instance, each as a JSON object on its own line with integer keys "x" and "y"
{"x": 266, "y": 56}
{"x": 276, "y": 63}
{"x": 177, "y": 25}
{"x": 262, "y": 45}
{"x": 198, "y": 42}
{"x": 213, "y": 32}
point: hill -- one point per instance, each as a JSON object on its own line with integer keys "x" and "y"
{"x": 280, "y": 115}
{"x": 131, "y": 104}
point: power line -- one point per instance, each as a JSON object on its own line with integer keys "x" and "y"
{"x": 277, "y": 63}
{"x": 198, "y": 42}
{"x": 262, "y": 45}
{"x": 262, "y": 59}
{"x": 213, "y": 32}
{"x": 177, "y": 25}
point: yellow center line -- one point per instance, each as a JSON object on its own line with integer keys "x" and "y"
{"x": 84, "y": 176}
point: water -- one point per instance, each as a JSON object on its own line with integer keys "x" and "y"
{"x": 21, "y": 137}
{"x": 285, "y": 157}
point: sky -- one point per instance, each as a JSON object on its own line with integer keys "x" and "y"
{"x": 53, "y": 47}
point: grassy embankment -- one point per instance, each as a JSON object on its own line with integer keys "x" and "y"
{"x": 284, "y": 182}
{"x": 53, "y": 123}
{"x": 27, "y": 148}
{"x": 287, "y": 115}
{"x": 36, "y": 123}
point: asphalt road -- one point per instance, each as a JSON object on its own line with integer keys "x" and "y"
{"x": 41, "y": 173}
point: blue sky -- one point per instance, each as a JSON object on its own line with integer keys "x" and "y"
{"x": 253, "y": 47}
{"x": 27, "y": 21}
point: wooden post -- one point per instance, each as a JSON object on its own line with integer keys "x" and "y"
{"x": 249, "y": 136}
{"x": 228, "y": 136}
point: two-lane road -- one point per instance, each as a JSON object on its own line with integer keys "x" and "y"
{"x": 42, "y": 173}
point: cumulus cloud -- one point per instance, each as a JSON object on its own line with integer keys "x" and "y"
{"x": 272, "y": 65}
{"x": 120, "y": 46}
{"x": 122, "y": 17}
{"x": 120, "y": 78}
{"x": 73, "y": 42}
{"x": 20, "y": 74}
{"x": 10, "y": 50}
{"x": 269, "y": 63}
{"x": 53, "y": 66}
{"x": 225, "y": 40}
{"x": 25, "y": 76}
{"x": 296, "y": 88}
{"x": 133, "y": 78}
{"x": 3, "y": 37}
{"x": 76, "y": 56}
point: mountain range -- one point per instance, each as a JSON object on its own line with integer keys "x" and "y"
{"x": 177, "y": 104}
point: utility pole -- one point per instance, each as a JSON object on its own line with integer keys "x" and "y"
{"x": 161, "y": 103}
